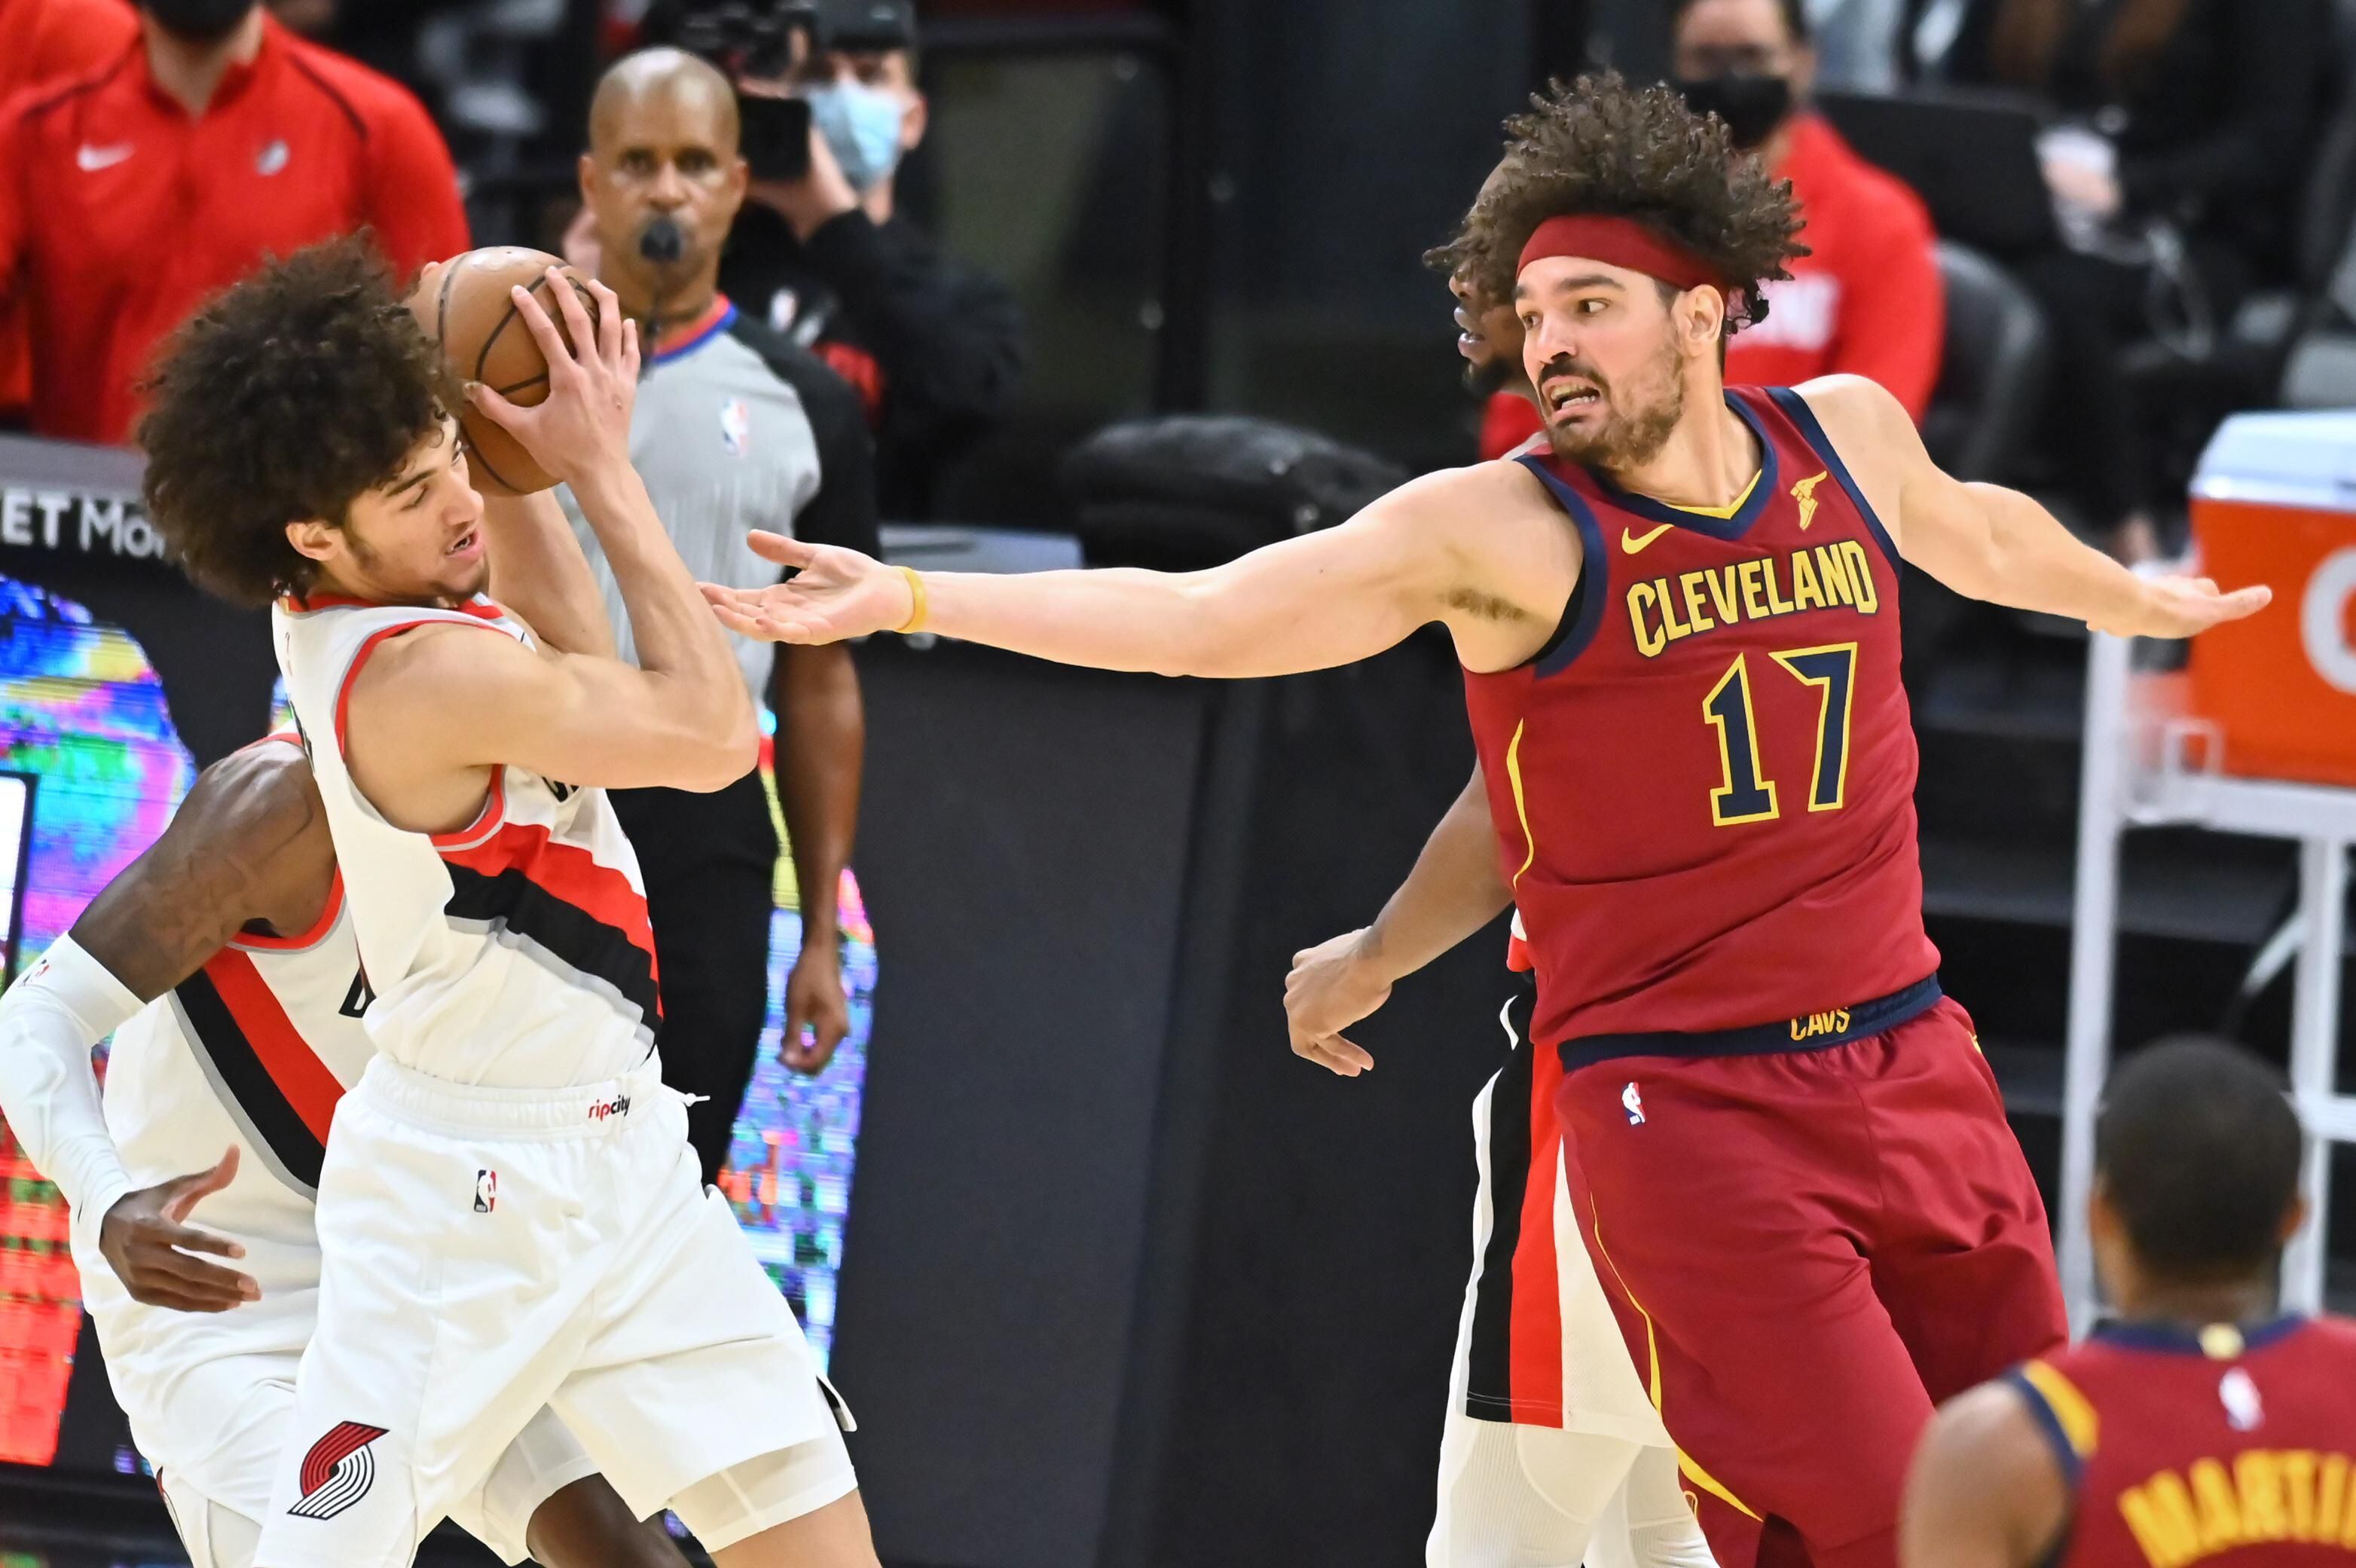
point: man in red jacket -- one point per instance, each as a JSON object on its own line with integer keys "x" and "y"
{"x": 1866, "y": 299}
{"x": 134, "y": 190}
{"x": 46, "y": 40}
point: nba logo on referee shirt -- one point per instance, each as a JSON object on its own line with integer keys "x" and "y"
{"x": 735, "y": 426}
{"x": 1635, "y": 1103}
{"x": 338, "y": 1471}
{"x": 487, "y": 1191}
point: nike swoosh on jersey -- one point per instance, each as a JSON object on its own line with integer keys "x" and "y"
{"x": 1634, "y": 544}
{"x": 93, "y": 159}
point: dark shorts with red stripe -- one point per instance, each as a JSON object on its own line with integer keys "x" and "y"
{"x": 1807, "y": 1248}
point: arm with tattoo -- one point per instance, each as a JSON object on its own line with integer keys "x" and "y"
{"x": 248, "y": 847}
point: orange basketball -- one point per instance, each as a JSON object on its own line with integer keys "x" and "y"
{"x": 472, "y": 316}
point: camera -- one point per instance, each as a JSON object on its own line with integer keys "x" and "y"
{"x": 747, "y": 38}
{"x": 755, "y": 40}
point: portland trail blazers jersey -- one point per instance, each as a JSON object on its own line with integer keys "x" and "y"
{"x": 513, "y": 953}
{"x": 1704, "y": 786}
{"x": 252, "y": 1051}
{"x": 2224, "y": 1445}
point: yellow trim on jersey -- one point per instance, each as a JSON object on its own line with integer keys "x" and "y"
{"x": 1738, "y": 675}
{"x": 2071, "y": 1410}
{"x": 1720, "y": 513}
{"x": 1514, "y": 777}
{"x": 1824, "y": 684}
{"x": 1686, "y": 1465}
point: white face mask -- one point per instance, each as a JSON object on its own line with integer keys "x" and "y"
{"x": 861, "y": 127}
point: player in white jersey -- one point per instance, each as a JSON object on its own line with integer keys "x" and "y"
{"x": 223, "y": 964}
{"x": 510, "y": 1215}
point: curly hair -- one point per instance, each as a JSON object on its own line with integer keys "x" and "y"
{"x": 1601, "y": 146}
{"x": 285, "y": 397}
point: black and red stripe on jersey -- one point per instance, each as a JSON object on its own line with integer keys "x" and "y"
{"x": 1514, "y": 1351}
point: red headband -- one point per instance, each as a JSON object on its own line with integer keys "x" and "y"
{"x": 1620, "y": 242}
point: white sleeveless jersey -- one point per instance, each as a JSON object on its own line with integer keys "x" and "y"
{"x": 514, "y": 952}
{"x": 252, "y": 1051}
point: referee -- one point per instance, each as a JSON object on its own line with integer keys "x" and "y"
{"x": 735, "y": 429}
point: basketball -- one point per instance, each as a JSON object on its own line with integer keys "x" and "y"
{"x": 472, "y": 316}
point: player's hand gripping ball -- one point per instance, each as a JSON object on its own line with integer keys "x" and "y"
{"x": 467, "y": 305}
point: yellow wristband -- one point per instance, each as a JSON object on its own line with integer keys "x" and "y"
{"x": 920, "y": 609}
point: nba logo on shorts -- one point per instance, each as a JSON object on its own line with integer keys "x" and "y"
{"x": 487, "y": 1191}
{"x": 1635, "y": 1103}
{"x": 736, "y": 426}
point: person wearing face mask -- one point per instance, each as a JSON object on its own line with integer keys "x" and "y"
{"x": 211, "y": 139}
{"x": 935, "y": 348}
{"x": 734, "y": 428}
{"x": 1866, "y": 299}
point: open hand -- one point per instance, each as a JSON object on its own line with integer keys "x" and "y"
{"x": 584, "y": 423}
{"x": 146, "y": 1241}
{"x": 2184, "y": 606}
{"x": 814, "y": 997}
{"x": 1331, "y": 986}
{"x": 833, "y": 594}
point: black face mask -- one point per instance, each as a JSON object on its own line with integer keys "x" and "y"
{"x": 1751, "y": 106}
{"x": 198, "y": 21}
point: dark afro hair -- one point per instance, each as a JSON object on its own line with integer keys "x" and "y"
{"x": 284, "y": 398}
{"x": 2199, "y": 1151}
{"x": 1600, "y": 146}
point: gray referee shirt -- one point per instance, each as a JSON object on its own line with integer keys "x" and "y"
{"x": 736, "y": 429}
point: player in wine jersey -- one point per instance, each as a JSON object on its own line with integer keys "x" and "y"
{"x": 508, "y": 1213}
{"x": 222, "y": 963}
{"x": 2196, "y": 1425}
{"x": 1679, "y": 633}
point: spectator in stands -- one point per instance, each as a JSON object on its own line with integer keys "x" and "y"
{"x": 934, "y": 348}
{"x": 211, "y": 139}
{"x": 735, "y": 429}
{"x": 47, "y": 40}
{"x": 2196, "y": 114}
{"x": 1866, "y": 299}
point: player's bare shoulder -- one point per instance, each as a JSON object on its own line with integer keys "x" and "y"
{"x": 1874, "y": 437}
{"x": 248, "y": 845}
{"x": 1985, "y": 1486}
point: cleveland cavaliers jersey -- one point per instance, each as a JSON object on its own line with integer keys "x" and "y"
{"x": 513, "y": 953}
{"x": 2225, "y": 1445}
{"x": 1703, "y": 787}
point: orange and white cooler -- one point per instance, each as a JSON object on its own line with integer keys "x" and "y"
{"x": 2274, "y": 501}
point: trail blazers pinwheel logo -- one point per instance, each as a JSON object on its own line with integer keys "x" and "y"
{"x": 337, "y": 1472}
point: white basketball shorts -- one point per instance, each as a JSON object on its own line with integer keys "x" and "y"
{"x": 487, "y": 1252}
{"x": 218, "y": 1516}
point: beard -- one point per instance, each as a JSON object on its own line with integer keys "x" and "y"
{"x": 1628, "y": 438}
{"x": 453, "y": 585}
{"x": 1490, "y": 377}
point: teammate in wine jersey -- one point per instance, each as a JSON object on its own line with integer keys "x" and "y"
{"x": 223, "y": 964}
{"x": 2195, "y": 1426}
{"x": 513, "y": 1128}
{"x": 1679, "y": 634}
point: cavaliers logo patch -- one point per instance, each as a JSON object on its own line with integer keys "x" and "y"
{"x": 337, "y": 1472}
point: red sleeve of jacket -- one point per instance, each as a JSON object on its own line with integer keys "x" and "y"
{"x": 412, "y": 189}
{"x": 1894, "y": 309}
{"x": 1509, "y": 419}
{"x": 71, "y": 37}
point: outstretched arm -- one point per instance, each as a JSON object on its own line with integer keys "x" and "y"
{"x": 1476, "y": 548}
{"x": 1988, "y": 543}
{"x": 1985, "y": 1490}
{"x": 1455, "y": 889}
{"x": 248, "y": 844}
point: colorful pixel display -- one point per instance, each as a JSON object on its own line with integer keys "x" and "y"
{"x": 82, "y": 717}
